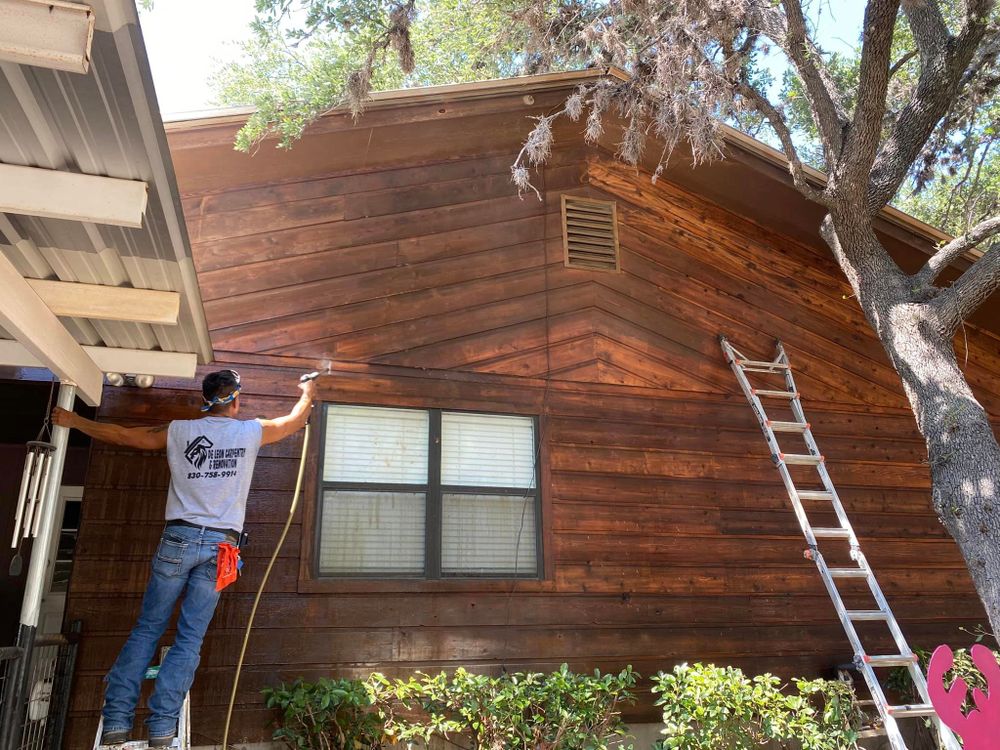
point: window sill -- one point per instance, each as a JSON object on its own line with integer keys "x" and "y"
{"x": 420, "y": 585}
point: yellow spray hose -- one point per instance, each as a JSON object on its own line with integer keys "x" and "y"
{"x": 263, "y": 583}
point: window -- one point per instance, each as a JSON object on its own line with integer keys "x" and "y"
{"x": 427, "y": 494}
{"x": 590, "y": 233}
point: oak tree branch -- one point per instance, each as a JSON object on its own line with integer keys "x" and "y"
{"x": 944, "y": 72}
{"x": 955, "y": 249}
{"x": 971, "y": 289}
{"x": 777, "y": 121}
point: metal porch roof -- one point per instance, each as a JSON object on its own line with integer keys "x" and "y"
{"x": 106, "y": 123}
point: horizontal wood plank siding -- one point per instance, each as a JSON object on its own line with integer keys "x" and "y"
{"x": 667, "y": 533}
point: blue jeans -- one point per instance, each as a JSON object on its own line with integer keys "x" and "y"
{"x": 185, "y": 563}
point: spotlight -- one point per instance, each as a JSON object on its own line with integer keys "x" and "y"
{"x": 114, "y": 378}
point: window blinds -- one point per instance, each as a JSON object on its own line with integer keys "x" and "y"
{"x": 485, "y": 495}
{"x": 372, "y": 532}
{"x": 375, "y": 445}
{"x": 487, "y": 450}
{"x": 488, "y": 534}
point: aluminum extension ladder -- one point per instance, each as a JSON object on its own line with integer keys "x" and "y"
{"x": 827, "y": 496}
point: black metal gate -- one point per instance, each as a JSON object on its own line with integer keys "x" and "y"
{"x": 36, "y": 691}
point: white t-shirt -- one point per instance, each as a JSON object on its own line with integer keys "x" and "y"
{"x": 211, "y": 464}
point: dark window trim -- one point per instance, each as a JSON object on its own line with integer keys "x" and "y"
{"x": 433, "y": 497}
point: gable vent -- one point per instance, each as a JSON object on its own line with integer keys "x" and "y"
{"x": 590, "y": 233}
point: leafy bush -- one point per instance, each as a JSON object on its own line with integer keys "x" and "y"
{"x": 326, "y": 715}
{"x": 712, "y": 708}
{"x": 530, "y": 711}
{"x": 899, "y": 679}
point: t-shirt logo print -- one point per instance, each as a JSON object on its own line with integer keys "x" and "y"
{"x": 197, "y": 451}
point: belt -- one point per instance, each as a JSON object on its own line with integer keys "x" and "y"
{"x": 232, "y": 535}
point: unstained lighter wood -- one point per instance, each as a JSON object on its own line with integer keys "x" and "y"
{"x": 25, "y": 316}
{"x": 54, "y": 194}
{"x": 72, "y": 299}
{"x": 47, "y": 33}
{"x": 111, "y": 359}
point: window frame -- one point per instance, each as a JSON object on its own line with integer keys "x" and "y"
{"x": 434, "y": 492}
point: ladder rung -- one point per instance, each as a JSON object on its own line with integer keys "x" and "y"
{"x": 848, "y": 572}
{"x": 758, "y": 365}
{"x": 814, "y": 495}
{"x": 775, "y": 394}
{"x": 871, "y": 732}
{"x": 890, "y": 660}
{"x": 911, "y": 710}
{"x": 803, "y": 459}
{"x": 832, "y": 533}
{"x": 788, "y": 426}
{"x": 866, "y": 615}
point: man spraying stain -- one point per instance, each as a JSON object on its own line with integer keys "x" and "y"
{"x": 211, "y": 464}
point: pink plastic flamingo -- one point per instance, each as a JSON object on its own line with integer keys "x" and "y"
{"x": 980, "y": 729}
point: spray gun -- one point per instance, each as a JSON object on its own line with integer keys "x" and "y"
{"x": 313, "y": 375}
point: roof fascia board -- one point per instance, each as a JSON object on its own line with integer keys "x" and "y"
{"x": 407, "y": 97}
{"x": 550, "y": 81}
{"x": 47, "y": 33}
{"x": 114, "y": 14}
{"x": 818, "y": 179}
{"x": 25, "y": 316}
{"x": 135, "y": 64}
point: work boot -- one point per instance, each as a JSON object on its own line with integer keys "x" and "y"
{"x": 114, "y": 737}
{"x": 162, "y": 741}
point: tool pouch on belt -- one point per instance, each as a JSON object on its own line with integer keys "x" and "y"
{"x": 228, "y": 565}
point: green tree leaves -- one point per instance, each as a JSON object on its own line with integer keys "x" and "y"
{"x": 311, "y": 56}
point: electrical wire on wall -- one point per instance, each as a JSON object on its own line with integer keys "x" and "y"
{"x": 539, "y": 441}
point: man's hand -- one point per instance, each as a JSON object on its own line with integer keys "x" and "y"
{"x": 308, "y": 389}
{"x": 280, "y": 428}
{"x": 64, "y": 418}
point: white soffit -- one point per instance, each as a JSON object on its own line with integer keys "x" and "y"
{"x": 91, "y": 149}
{"x": 46, "y": 33}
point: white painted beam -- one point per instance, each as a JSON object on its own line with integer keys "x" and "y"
{"x": 46, "y": 33}
{"x": 99, "y": 302}
{"x": 107, "y": 359}
{"x": 25, "y": 317}
{"x": 68, "y": 195}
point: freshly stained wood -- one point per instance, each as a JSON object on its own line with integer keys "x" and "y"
{"x": 667, "y": 534}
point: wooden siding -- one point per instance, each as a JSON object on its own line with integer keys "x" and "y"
{"x": 667, "y": 532}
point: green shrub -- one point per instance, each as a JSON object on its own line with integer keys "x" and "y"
{"x": 899, "y": 679}
{"x": 523, "y": 711}
{"x": 326, "y": 715}
{"x": 712, "y": 708}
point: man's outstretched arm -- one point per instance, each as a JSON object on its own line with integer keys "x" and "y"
{"x": 144, "y": 438}
{"x": 295, "y": 420}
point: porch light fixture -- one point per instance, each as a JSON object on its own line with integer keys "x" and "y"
{"x": 46, "y": 33}
{"x": 129, "y": 380}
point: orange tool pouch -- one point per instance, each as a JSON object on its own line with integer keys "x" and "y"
{"x": 228, "y": 565}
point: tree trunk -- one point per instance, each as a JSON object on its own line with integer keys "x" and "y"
{"x": 962, "y": 450}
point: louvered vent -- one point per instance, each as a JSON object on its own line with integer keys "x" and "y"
{"x": 590, "y": 233}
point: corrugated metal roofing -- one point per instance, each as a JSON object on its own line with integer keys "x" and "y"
{"x": 103, "y": 123}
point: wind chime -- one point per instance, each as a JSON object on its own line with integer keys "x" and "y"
{"x": 34, "y": 483}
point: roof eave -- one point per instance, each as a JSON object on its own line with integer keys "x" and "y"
{"x": 920, "y": 230}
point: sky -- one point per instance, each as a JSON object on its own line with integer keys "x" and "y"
{"x": 187, "y": 40}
